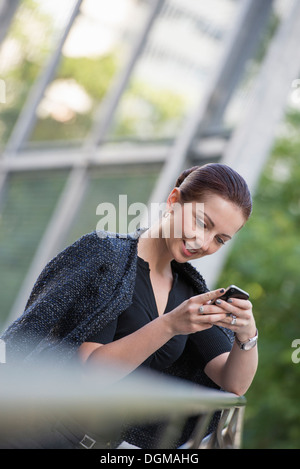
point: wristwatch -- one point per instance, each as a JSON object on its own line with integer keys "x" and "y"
{"x": 249, "y": 344}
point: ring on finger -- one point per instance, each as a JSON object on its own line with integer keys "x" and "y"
{"x": 233, "y": 321}
{"x": 201, "y": 309}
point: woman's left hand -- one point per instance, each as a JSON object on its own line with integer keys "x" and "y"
{"x": 239, "y": 318}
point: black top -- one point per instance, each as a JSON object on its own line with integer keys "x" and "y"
{"x": 205, "y": 344}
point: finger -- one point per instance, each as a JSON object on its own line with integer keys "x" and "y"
{"x": 207, "y": 309}
{"x": 241, "y": 304}
{"x": 231, "y": 322}
{"x": 237, "y": 302}
{"x": 233, "y": 307}
{"x": 226, "y": 306}
{"x": 212, "y": 318}
{"x": 209, "y": 296}
{"x": 232, "y": 327}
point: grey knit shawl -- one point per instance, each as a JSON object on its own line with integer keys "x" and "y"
{"x": 81, "y": 290}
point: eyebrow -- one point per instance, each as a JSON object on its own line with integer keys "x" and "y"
{"x": 212, "y": 224}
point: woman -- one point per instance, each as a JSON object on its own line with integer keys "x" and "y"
{"x": 136, "y": 301}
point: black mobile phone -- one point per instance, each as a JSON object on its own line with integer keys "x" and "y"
{"x": 234, "y": 292}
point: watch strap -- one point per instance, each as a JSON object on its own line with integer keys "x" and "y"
{"x": 252, "y": 340}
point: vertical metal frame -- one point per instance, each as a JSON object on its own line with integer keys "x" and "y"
{"x": 7, "y": 11}
{"x": 241, "y": 42}
{"x": 27, "y": 116}
{"x": 251, "y": 143}
{"x": 77, "y": 182}
{"x": 243, "y": 145}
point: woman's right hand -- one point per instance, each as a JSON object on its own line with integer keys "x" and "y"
{"x": 131, "y": 351}
{"x": 189, "y": 316}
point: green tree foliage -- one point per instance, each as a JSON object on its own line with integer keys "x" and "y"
{"x": 148, "y": 112}
{"x": 94, "y": 75}
{"x": 30, "y": 39}
{"x": 145, "y": 111}
{"x": 265, "y": 261}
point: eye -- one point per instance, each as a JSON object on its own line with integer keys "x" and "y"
{"x": 220, "y": 240}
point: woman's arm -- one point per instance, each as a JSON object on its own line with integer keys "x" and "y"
{"x": 235, "y": 371}
{"x": 131, "y": 351}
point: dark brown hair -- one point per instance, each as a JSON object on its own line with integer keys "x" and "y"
{"x": 215, "y": 178}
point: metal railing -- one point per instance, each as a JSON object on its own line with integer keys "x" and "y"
{"x": 29, "y": 397}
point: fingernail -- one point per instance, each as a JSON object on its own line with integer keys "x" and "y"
{"x": 229, "y": 300}
{"x": 218, "y": 302}
{"x": 222, "y": 290}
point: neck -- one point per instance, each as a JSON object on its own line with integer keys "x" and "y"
{"x": 152, "y": 248}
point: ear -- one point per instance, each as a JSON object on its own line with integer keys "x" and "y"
{"x": 173, "y": 198}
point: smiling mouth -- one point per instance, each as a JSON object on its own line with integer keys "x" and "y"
{"x": 189, "y": 249}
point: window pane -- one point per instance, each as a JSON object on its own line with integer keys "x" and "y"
{"x": 27, "y": 209}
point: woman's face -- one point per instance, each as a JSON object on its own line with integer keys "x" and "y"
{"x": 199, "y": 229}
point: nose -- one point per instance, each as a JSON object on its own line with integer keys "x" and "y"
{"x": 205, "y": 242}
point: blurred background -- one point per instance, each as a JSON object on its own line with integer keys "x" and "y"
{"x": 100, "y": 98}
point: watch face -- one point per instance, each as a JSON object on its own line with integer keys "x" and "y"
{"x": 250, "y": 344}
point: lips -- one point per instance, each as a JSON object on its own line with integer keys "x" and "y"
{"x": 188, "y": 251}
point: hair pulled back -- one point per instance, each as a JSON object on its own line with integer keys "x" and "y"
{"x": 215, "y": 178}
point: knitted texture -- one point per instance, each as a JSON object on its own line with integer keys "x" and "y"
{"x": 82, "y": 289}
{"x": 79, "y": 292}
